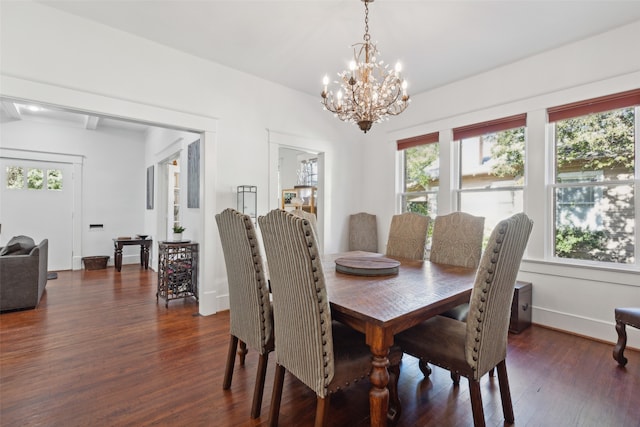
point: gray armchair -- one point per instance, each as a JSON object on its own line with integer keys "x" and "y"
{"x": 23, "y": 278}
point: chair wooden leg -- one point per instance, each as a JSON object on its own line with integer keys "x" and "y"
{"x": 242, "y": 352}
{"x": 393, "y": 414}
{"x": 276, "y": 396}
{"x": 322, "y": 411}
{"x": 492, "y": 372}
{"x": 618, "y": 350}
{"x": 476, "y": 403}
{"x": 455, "y": 377}
{"x": 424, "y": 367}
{"x": 259, "y": 387}
{"x": 231, "y": 360}
{"x": 505, "y": 393}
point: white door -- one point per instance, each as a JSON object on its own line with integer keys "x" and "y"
{"x": 36, "y": 200}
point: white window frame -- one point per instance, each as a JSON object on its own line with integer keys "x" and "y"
{"x": 552, "y": 186}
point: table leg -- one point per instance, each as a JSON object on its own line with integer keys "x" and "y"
{"x": 118, "y": 257}
{"x": 146, "y": 257}
{"x": 379, "y": 341}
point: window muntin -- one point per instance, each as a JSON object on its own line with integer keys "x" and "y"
{"x": 594, "y": 188}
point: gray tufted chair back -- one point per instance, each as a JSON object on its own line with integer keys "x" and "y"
{"x": 363, "y": 232}
{"x": 490, "y": 303}
{"x": 408, "y": 236}
{"x": 251, "y": 320}
{"x": 300, "y": 304}
{"x": 457, "y": 239}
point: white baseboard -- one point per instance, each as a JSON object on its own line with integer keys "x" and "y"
{"x": 594, "y": 328}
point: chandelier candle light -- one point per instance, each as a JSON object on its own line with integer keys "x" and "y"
{"x": 369, "y": 91}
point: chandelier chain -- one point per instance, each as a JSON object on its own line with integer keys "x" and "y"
{"x": 366, "y": 37}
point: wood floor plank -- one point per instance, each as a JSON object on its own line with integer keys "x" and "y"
{"x": 99, "y": 351}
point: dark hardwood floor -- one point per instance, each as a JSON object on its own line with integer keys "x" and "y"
{"x": 99, "y": 351}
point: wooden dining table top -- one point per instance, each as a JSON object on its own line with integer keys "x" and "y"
{"x": 420, "y": 290}
{"x": 382, "y": 306}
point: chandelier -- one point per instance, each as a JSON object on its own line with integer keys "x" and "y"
{"x": 369, "y": 91}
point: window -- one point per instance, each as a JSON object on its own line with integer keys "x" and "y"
{"x": 308, "y": 172}
{"x": 594, "y": 178}
{"x": 421, "y": 174}
{"x": 34, "y": 178}
{"x": 491, "y": 172}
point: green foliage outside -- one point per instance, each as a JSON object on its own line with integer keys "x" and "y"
{"x": 580, "y": 243}
{"x": 35, "y": 179}
{"x": 54, "y": 179}
{"x": 597, "y": 142}
{"x": 15, "y": 177}
{"x": 507, "y": 152}
{"x": 418, "y": 160}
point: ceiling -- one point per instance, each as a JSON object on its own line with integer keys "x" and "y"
{"x": 296, "y": 42}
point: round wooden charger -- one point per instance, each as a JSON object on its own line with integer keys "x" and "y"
{"x": 367, "y": 266}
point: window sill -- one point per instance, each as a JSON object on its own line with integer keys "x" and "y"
{"x": 586, "y": 270}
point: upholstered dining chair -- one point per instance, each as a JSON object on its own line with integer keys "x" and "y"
{"x": 408, "y": 236}
{"x": 324, "y": 354}
{"x": 474, "y": 347}
{"x": 251, "y": 318}
{"x": 456, "y": 240}
{"x": 363, "y": 232}
{"x": 298, "y": 211}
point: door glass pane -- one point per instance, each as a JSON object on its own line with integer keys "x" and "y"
{"x": 35, "y": 179}
{"x": 54, "y": 179}
{"x": 15, "y": 177}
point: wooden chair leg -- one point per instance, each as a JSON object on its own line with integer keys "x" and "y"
{"x": 618, "y": 350}
{"x": 231, "y": 360}
{"x": 393, "y": 414}
{"x": 242, "y": 352}
{"x": 424, "y": 367}
{"x": 276, "y": 396}
{"x": 505, "y": 393}
{"x": 476, "y": 403}
{"x": 492, "y": 372}
{"x": 455, "y": 377}
{"x": 259, "y": 387}
{"x": 322, "y": 411}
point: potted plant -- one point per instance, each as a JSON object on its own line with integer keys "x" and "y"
{"x": 177, "y": 232}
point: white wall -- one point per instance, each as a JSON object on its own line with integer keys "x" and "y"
{"x": 72, "y": 62}
{"x": 112, "y": 181}
{"x": 577, "y": 299}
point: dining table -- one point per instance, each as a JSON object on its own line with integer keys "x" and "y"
{"x": 381, "y": 306}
